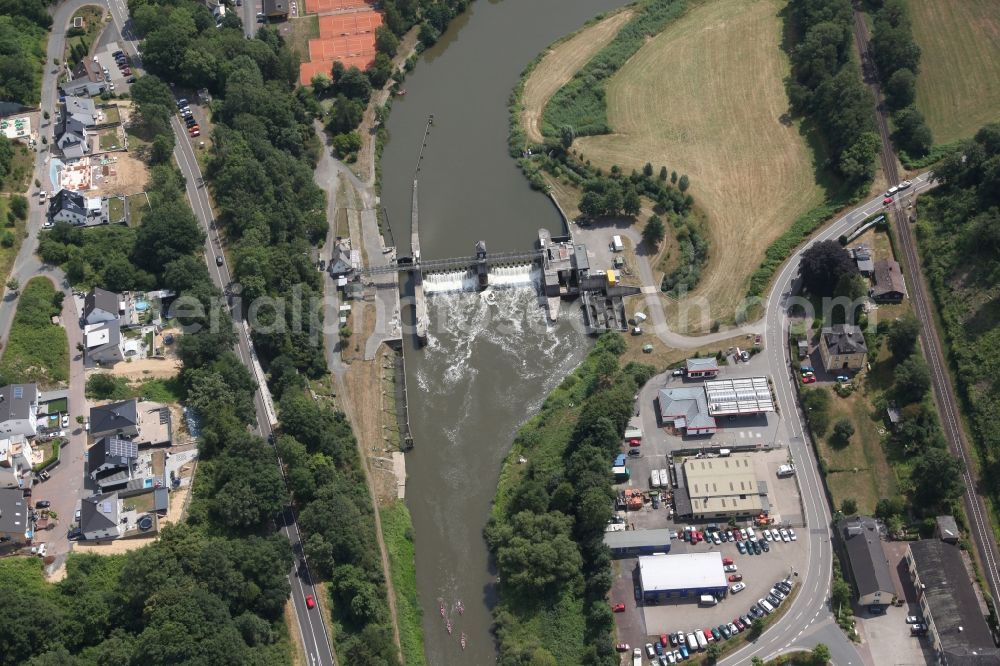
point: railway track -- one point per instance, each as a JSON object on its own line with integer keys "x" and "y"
{"x": 944, "y": 393}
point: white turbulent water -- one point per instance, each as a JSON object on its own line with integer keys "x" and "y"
{"x": 490, "y": 359}
{"x": 525, "y": 275}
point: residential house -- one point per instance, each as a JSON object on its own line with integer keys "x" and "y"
{"x": 100, "y": 517}
{"x": 15, "y": 523}
{"x": 19, "y": 409}
{"x": 145, "y": 423}
{"x": 68, "y": 206}
{"x": 78, "y": 115}
{"x": 843, "y": 347}
{"x": 686, "y": 409}
{"x": 700, "y": 368}
{"x": 949, "y": 605}
{"x": 101, "y": 305}
{"x": 276, "y": 9}
{"x": 111, "y": 462}
{"x": 15, "y": 462}
{"x": 867, "y": 565}
{"x": 344, "y": 260}
{"x": 863, "y": 258}
{"x": 104, "y": 343}
{"x": 888, "y": 285}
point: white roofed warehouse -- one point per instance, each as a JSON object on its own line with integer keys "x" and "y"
{"x": 681, "y": 576}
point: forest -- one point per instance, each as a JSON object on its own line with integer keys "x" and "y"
{"x": 23, "y": 31}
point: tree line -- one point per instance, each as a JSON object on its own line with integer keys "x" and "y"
{"x": 897, "y": 58}
{"x": 547, "y": 528}
{"x": 580, "y": 105}
{"x": 260, "y": 171}
{"x": 825, "y": 86}
{"x": 959, "y": 234}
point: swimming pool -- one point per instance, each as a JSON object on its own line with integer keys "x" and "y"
{"x": 141, "y": 306}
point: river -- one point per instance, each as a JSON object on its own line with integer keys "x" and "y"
{"x": 489, "y": 362}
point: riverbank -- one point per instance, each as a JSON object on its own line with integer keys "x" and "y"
{"x": 546, "y": 531}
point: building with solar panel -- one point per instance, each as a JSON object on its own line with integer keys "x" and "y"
{"x": 19, "y": 410}
{"x": 693, "y": 410}
{"x": 111, "y": 462}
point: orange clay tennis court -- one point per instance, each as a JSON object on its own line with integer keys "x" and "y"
{"x": 326, "y": 6}
{"x": 358, "y": 23}
{"x": 308, "y": 70}
{"x": 335, "y": 48}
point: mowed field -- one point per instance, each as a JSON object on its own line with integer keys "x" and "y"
{"x": 958, "y": 88}
{"x": 559, "y": 65}
{"x": 706, "y": 98}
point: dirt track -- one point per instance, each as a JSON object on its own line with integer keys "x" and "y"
{"x": 559, "y": 65}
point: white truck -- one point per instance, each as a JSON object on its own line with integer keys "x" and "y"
{"x": 654, "y": 478}
{"x": 637, "y": 657}
{"x": 785, "y": 470}
{"x": 616, "y": 244}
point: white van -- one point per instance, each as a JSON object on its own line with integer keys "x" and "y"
{"x": 616, "y": 244}
{"x": 765, "y": 605}
{"x": 708, "y": 600}
{"x": 700, "y": 637}
{"x": 692, "y": 643}
{"x": 724, "y": 453}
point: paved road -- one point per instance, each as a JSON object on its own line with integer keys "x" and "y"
{"x": 944, "y": 391}
{"x": 312, "y": 630}
{"x": 65, "y": 487}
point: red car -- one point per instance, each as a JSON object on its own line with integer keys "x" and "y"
{"x": 664, "y": 641}
{"x": 635, "y": 442}
{"x": 736, "y": 535}
{"x": 622, "y": 647}
{"x": 310, "y": 602}
{"x": 886, "y": 201}
{"x": 727, "y": 560}
{"x": 735, "y": 578}
{"x": 618, "y": 608}
{"x": 808, "y": 380}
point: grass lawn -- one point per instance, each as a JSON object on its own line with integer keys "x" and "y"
{"x": 111, "y": 113}
{"x": 559, "y": 65}
{"x": 958, "y": 88}
{"x": 303, "y": 29}
{"x": 137, "y": 207}
{"x": 109, "y": 139}
{"x": 859, "y": 470}
{"x": 706, "y": 97}
{"x": 397, "y": 529}
{"x": 37, "y": 350}
{"x": 116, "y": 209}
{"x": 93, "y": 23}
{"x": 139, "y": 139}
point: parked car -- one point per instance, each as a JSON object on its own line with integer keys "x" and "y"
{"x": 918, "y": 629}
{"x": 756, "y": 547}
{"x": 914, "y": 619}
{"x": 727, "y": 560}
{"x": 75, "y": 534}
{"x": 791, "y": 534}
{"x": 809, "y": 380}
{"x": 623, "y": 647}
{"x": 784, "y": 535}
{"x": 724, "y": 630}
{"x": 618, "y": 608}
{"x": 729, "y": 567}
{"x": 310, "y": 602}
{"x": 43, "y": 504}
{"x": 650, "y": 651}
{"x": 64, "y": 420}
{"x": 735, "y": 578}
{"x": 764, "y": 546}
{"x": 774, "y": 534}
{"x": 737, "y": 587}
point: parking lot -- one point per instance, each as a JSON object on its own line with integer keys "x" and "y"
{"x": 643, "y": 622}
{"x": 115, "y": 76}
